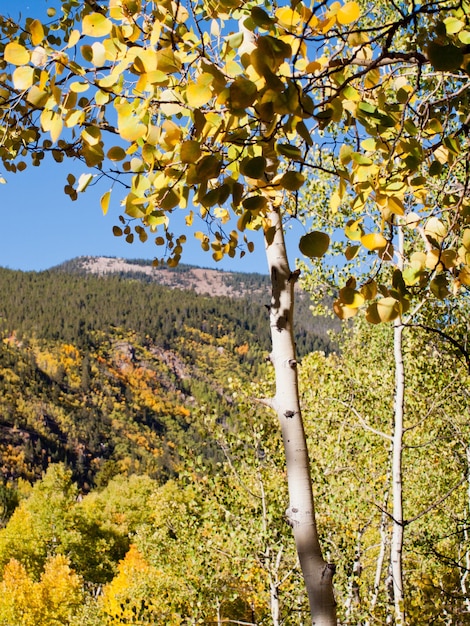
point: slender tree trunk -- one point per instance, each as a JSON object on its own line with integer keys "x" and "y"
{"x": 396, "y": 547}
{"x": 300, "y": 514}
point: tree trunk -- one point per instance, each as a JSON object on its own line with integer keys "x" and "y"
{"x": 396, "y": 547}
{"x": 300, "y": 514}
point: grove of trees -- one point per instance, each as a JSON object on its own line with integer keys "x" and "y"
{"x": 350, "y": 117}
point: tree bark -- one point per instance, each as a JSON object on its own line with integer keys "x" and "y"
{"x": 300, "y": 514}
{"x": 396, "y": 547}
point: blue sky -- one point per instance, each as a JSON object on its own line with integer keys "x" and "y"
{"x": 41, "y": 227}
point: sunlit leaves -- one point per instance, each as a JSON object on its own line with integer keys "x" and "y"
{"x": 348, "y": 13}
{"x": 23, "y": 78}
{"x": 96, "y": 25}
{"x": 16, "y": 54}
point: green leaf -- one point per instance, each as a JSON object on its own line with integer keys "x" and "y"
{"x": 314, "y": 244}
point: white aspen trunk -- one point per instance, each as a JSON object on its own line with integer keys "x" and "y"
{"x": 463, "y": 579}
{"x": 396, "y": 548}
{"x": 300, "y": 514}
{"x": 384, "y": 541}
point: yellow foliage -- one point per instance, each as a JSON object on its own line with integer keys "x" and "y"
{"x": 138, "y": 591}
{"x": 52, "y": 600}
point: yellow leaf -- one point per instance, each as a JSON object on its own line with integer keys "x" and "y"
{"x": 373, "y": 241}
{"x": 37, "y": 32}
{"x": 351, "y": 298}
{"x": 23, "y": 77}
{"x": 343, "y": 312}
{"x": 74, "y": 38}
{"x": 287, "y": 17}
{"x": 39, "y": 56}
{"x": 96, "y": 25}
{"x": 83, "y": 181}
{"x": 349, "y": 13}
{"x": 198, "y": 95}
{"x": 435, "y": 229}
{"x": 464, "y": 275}
{"x": 16, "y": 54}
{"x": 105, "y": 202}
{"x": 395, "y": 205}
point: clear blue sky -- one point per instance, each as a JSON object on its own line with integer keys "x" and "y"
{"x": 41, "y": 227}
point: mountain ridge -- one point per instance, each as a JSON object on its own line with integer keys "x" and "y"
{"x": 201, "y": 280}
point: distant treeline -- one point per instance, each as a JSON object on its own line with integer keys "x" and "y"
{"x": 67, "y": 306}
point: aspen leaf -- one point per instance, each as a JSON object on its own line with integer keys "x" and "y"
{"x": 96, "y": 25}
{"x": 412, "y": 220}
{"x": 353, "y": 230}
{"x": 384, "y": 310}
{"x": 198, "y": 95}
{"x": 39, "y": 56}
{"x": 16, "y": 54}
{"x": 288, "y": 150}
{"x": 439, "y": 287}
{"x": 37, "y": 97}
{"x": 208, "y": 167}
{"x": 23, "y": 77}
{"x": 351, "y": 298}
{"x": 83, "y": 182}
{"x": 190, "y": 151}
{"x": 292, "y": 181}
{"x": 373, "y": 241}
{"x": 242, "y": 93}
{"x": 116, "y": 153}
{"x": 466, "y": 239}
{"x": 314, "y": 244}
{"x": 260, "y": 17}
{"x": 435, "y": 229}
{"x": 342, "y": 311}
{"x": 255, "y": 203}
{"x": 37, "y": 32}
{"x": 444, "y": 58}
{"x": 348, "y": 13}
{"x": 369, "y": 289}
{"x": 395, "y": 205}
{"x": 351, "y": 252}
{"x": 74, "y": 38}
{"x": 253, "y": 167}
{"x": 104, "y": 202}
{"x": 287, "y": 17}
{"x": 464, "y": 276}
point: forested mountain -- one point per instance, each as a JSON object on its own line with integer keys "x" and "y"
{"x": 105, "y": 371}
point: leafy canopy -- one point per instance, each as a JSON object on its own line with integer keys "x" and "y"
{"x": 226, "y": 108}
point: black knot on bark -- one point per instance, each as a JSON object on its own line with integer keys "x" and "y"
{"x": 289, "y": 414}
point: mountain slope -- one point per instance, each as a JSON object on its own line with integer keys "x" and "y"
{"x": 109, "y": 373}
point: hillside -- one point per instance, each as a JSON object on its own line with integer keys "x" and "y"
{"x": 108, "y": 371}
{"x": 200, "y": 280}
